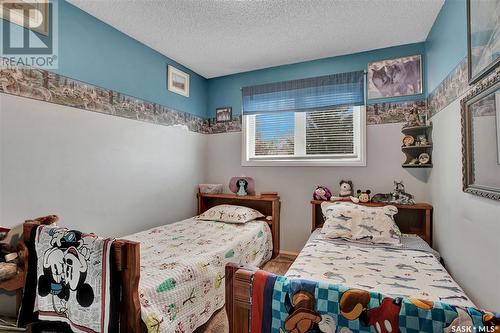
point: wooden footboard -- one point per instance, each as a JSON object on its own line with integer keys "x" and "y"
{"x": 127, "y": 261}
{"x": 238, "y": 297}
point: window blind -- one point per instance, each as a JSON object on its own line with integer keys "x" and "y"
{"x": 311, "y": 94}
{"x": 274, "y": 134}
{"x": 330, "y": 132}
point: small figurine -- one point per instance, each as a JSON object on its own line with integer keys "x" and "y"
{"x": 412, "y": 119}
{"x": 242, "y": 184}
{"x": 363, "y": 196}
{"x": 322, "y": 193}
{"x": 346, "y": 188}
{"x": 399, "y": 195}
{"x": 422, "y": 140}
{"x": 242, "y": 187}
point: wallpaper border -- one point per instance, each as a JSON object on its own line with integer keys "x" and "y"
{"x": 49, "y": 87}
{"x": 448, "y": 90}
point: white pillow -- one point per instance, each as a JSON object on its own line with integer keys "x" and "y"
{"x": 230, "y": 214}
{"x": 377, "y": 225}
{"x": 338, "y": 219}
{"x": 357, "y": 222}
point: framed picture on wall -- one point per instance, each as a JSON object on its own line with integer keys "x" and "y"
{"x": 483, "y": 38}
{"x": 497, "y": 115}
{"x": 395, "y": 77}
{"x": 178, "y": 81}
{"x": 224, "y": 114}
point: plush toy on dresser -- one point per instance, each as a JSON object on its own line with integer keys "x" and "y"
{"x": 346, "y": 188}
{"x": 363, "y": 196}
{"x": 322, "y": 193}
{"x": 346, "y": 192}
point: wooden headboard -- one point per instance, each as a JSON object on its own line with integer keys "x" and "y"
{"x": 266, "y": 203}
{"x": 411, "y": 219}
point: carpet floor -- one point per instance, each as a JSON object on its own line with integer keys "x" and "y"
{"x": 218, "y": 323}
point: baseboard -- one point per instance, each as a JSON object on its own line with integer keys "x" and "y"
{"x": 289, "y": 254}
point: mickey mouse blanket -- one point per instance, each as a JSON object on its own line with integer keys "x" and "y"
{"x": 73, "y": 276}
{"x": 287, "y": 305}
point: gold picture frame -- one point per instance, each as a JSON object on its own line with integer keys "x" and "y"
{"x": 178, "y": 81}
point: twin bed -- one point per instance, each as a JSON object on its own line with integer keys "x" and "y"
{"x": 171, "y": 278}
{"x": 423, "y": 296}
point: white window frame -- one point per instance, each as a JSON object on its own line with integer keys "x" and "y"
{"x": 357, "y": 159}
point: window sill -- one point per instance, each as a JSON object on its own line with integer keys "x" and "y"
{"x": 304, "y": 163}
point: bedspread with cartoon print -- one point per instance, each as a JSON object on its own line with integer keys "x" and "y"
{"x": 289, "y": 305}
{"x": 182, "y": 269}
{"x": 409, "y": 271}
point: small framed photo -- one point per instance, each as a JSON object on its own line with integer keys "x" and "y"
{"x": 178, "y": 81}
{"x": 224, "y": 114}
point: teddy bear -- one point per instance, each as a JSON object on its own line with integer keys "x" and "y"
{"x": 322, "y": 193}
{"x": 363, "y": 196}
{"x": 346, "y": 188}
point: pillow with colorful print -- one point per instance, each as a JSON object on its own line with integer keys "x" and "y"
{"x": 230, "y": 214}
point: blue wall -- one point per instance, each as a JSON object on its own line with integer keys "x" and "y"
{"x": 96, "y": 53}
{"x": 446, "y": 44}
{"x": 226, "y": 90}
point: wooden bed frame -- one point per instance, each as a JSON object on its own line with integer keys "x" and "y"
{"x": 414, "y": 219}
{"x": 127, "y": 253}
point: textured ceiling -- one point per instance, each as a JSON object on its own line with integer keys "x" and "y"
{"x": 220, "y": 37}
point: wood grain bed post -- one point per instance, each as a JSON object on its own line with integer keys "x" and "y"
{"x": 275, "y": 228}
{"x": 128, "y": 263}
{"x": 238, "y": 297}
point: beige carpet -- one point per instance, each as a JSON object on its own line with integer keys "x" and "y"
{"x": 218, "y": 323}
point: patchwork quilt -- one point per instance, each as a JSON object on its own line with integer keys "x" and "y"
{"x": 407, "y": 271}
{"x": 282, "y": 304}
{"x": 182, "y": 269}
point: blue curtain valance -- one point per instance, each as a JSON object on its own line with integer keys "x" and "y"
{"x": 311, "y": 94}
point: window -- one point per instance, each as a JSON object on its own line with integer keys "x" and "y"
{"x": 310, "y": 122}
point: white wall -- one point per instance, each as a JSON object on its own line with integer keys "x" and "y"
{"x": 296, "y": 184}
{"x": 99, "y": 173}
{"x": 466, "y": 227}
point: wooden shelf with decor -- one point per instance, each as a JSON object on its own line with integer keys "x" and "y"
{"x": 268, "y": 203}
{"x": 411, "y": 219}
{"x": 413, "y": 149}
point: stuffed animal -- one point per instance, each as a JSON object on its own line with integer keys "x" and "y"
{"x": 351, "y": 198}
{"x": 363, "y": 196}
{"x": 322, "y": 193}
{"x": 346, "y": 188}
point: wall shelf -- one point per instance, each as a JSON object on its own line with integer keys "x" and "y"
{"x": 422, "y": 147}
{"x": 412, "y": 129}
{"x": 413, "y": 152}
{"x": 428, "y": 165}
